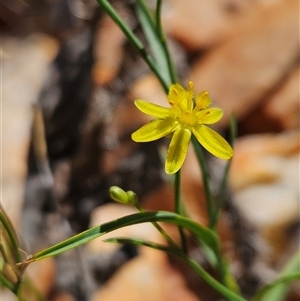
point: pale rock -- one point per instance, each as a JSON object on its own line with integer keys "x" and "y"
{"x": 24, "y": 67}
{"x": 280, "y": 110}
{"x": 265, "y": 180}
{"x": 271, "y": 209}
{"x": 146, "y": 278}
{"x": 241, "y": 71}
{"x": 268, "y": 204}
{"x": 108, "y": 51}
{"x": 262, "y": 158}
{"x": 200, "y": 24}
{"x": 283, "y": 105}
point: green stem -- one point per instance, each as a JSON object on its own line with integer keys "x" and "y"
{"x": 178, "y": 209}
{"x": 158, "y": 19}
{"x": 224, "y": 291}
{"x": 160, "y": 229}
{"x": 205, "y": 177}
{"x": 162, "y": 39}
{"x": 209, "y": 202}
{"x": 220, "y": 196}
{"x": 223, "y": 185}
{"x": 136, "y": 42}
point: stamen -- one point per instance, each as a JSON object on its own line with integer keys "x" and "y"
{"x": 191, "y": 85}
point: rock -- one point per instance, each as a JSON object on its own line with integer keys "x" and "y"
{"x": 24, "y": 64}
{"x": 146, "y": 278}
{"x": 202, "y": 24}
{"x": 265, "y": 180}
{"x": 279, "y": 111}
{"x": 108, "y": 51}
{"x": 268, "y": 204}
{"x": 283, "y": 105}
{"x": 260, "y": 159}
{"x": 240, "y": 72}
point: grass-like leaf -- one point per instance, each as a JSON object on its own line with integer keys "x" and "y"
{"x": 270, "y": 291}
{"x": 277, "y": 290}
{"x": 8, "y": 230}
{"x": 205, "y": 234}
{"x": 134, "y": 40}
{"x": 154, "y": 41}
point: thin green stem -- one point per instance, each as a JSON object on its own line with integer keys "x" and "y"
{"x": 223, "y": 185}
{"x": 224, "y": 291}
{"x": 230, "y": 295}
{"x": 135, "y": 41}
{"x": 158, "y": 19}
{"x": 209, "y": 203}
{"x": 163, "y": 41}
{"x": 220, "y": 196}
{"x": 160, "y": 229}
{"x": 178, "y": 208}
{"x": 205, "y": 176}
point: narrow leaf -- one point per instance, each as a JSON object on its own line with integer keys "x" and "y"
{"x": 154, "y": 41}
{"x": 284, "y": 280}
{"x": 205, "y": 234}
{"x": 277, "y": 290}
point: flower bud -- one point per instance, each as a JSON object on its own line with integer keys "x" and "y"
{"x": 119, "y": 195}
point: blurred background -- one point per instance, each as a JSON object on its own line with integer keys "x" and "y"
{"x": 69, "y": 78}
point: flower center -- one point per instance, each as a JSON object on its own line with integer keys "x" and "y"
{"x": 187, "y": 118}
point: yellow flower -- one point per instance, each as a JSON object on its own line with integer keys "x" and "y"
{"x": 188, "y": 114}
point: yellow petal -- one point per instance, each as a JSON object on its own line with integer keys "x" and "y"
{"x": 177, "y": 150}
{"x": 213, "y": 142}
{"x": 210, "y": 116}
{"x": 203, "y": 100}
{"x": 154, "y": 130}
{"x": 152, "y": 109}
